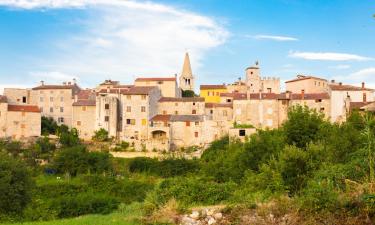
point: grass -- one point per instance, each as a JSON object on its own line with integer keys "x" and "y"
{"x": 127, "y": 215}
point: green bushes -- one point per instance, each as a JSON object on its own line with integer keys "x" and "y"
{"x": 193, "y": 191}
{"x": 164, "y": 168}
{"x": 101, "y": 135}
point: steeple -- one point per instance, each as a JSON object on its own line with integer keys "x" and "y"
{"x": 186, "y": 77}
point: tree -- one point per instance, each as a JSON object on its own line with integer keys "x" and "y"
{"x": 15, "y": 185}
{"x": 69, "y": 138}
{"x": 188, "y": 93}
{"x": 302, "y": 126}
{"x": 49, "y": 126}
{"x": 100, "y": 135}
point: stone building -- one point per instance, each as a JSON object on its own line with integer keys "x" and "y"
{"x": 307, "y": 84}
{"x": 167, "y": 85}
{"x": 186, "y": 77}
{"x": 211, "y": 93}
{"x": 84, "y": 114}
{"x": 181, "y": 106}
{"x": 19, "y": 121}
{"x": 256, "y": 83}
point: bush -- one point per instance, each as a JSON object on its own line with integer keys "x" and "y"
{"x": 101, "y": 135}
{"x": 193, "y": 191}
{"x": 188, "y": 93}
{"x": 15, "y": 185}
{"x": 68, "y": 138}
{"x": 49, "y": 125}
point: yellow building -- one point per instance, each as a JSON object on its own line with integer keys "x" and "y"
{"x": 211, "y": 93}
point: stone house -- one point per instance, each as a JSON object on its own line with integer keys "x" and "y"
{"x": 211, "y": 93}
{"x": 307, "y": 84}
{"x": 167, "y": 85}
{"x": 181, "y": 106}
{"x": 84, "y": 114}
{"x": 255, "y": 83}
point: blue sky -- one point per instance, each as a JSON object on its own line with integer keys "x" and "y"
{"x": 93, "y": 40}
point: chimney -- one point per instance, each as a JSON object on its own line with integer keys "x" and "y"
{"x": 332, "y": 81}
{"x": 42, "y": 82}
{"x": 69, "y": 83}
{"x": 287, "y": 95}
{"x": 340, "y": 83}
{"x": 363, "y": 85}
{"x": 74, "y": 80}
{"x": 364, "y": 97}
{"x": 64, "y": 83}
{"x": 303, "y": 94}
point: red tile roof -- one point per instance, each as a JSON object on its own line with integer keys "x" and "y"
{"x": 86, "y": 94}
{"x": 344, "y": 87}
{"x": 306, "y": 96}
{"x": 218, "y": 105}
{"x": 85, "y": 102}
{"x": 156, "y": 79}
{"x": 212, "y": 86}
{"x": 304, "y": 77}
{"x": 160, "y": 117}
{"x": 256, "y": 96}
{"x": 184, "y": 99}
{"x": 138, "y": 90}
{"x": 24, "y": 108}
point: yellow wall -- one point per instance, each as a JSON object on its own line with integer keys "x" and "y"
{"x": 212, "y": 95}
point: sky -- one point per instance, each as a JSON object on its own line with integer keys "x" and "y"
{"x": 94, "y": 40}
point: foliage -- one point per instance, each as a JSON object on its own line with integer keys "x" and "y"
{"x": 77, "y": 160}
{"x": 244, "y": 126}
{"x": 188, "y": 93}
{"x": 101, "y": 135}
{"x": 15, "y": 185}
{"x": 68, "y": 138}
{"x": 49, "y": 125}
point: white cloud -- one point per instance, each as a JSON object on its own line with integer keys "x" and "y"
{"x": 328, "y": 56}
{"x": 366, "y": 75}
{"x": 274, "y": 38}
{"x": 52, "y": 76}
{"x": 341, "y": 67}
{"x": 122, "y": 39}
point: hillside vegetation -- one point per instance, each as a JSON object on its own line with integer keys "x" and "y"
{"x": 309, "y": 171}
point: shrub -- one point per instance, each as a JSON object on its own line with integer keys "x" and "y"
{"x": 68, "y": 138}
{"x": 188, "y": 93}
{"x": 49, "y": 125}
{"x": 15, "y": 185}
{"x": 101, "y": 135}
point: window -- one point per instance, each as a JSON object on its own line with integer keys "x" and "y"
{"x": 143, "y": 97}
{"x": 322, "y": 109}
{"x": 60, "y": 119}
{"x": 83, "y": 108}
{"x": 160, "y": 82}
{"x": 217, "y": 94}
{"x": 24, "y": 99}
{"x": 196, "y": 134}
{"x": 364, "y": 97}
{"x": 78, "y": 123}
{"x": 194, "y": 111}
{"x": 41, "y": 99}
{"x": 165, "y": 123}
{"x": 164, "y": 112}
{"x": 23, "y": 113}
{"x": 225, "y": 113}
{"x": 196, "y": 123}
{"x": 106, "y": 106}
{"x": 187, "y": 123}
{"x": 176, "y": 112}
{"x": 193, "y": 103}
{"x": 51, "y": 99}
{"x": 23, "y": 126}
{"x": 61, "y": 109}
{"x": 128, "y": 108}
{"x": 144, "y": 122}
{"x": 208, "y": 93}
{"x": 269, "y": 90}
{"x": 61, "y": 99}
{"x": 229, "y": 100}
{"x": 51, "y": 109}
{"x": 143, "y": 108}
{"x": 318, "y": 100}
{"x": 211, "y": 111}
{"x": 130, "y": 121}
{"x": 241, "y": 133}
{"x": 128, "y": 97}
{"x": 106, "y": 118}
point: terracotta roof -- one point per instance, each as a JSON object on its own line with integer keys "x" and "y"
{"x": 156, "y": 79}
{"x": 358, "y": 105}
{"x": 345, "y": 87}
{"x": 123, "y": 86}
{"x": 183, "y": 99}
{"x": 24, "y": 108}
{"x": 218, "y": 105}
{"x": 256, "y": 96}
{"x": 306, "y": 96}
{"x": 137, "y": 90}
{"x": 304, "y": 77}
{"x": 86, "y": 94}
{"x": 160, "y": 117}
{"x": 228, "y": 94}
{"x": 3, "y": 99}
{"x": 212, "y": 86}
{"x": 110, "y": 82}
{"x": 84, "y": 102}
{"x": 183, "y": 118}
{"x": 45, "y": 86}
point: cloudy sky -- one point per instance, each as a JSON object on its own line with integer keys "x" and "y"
{"x": 93, "y": 40}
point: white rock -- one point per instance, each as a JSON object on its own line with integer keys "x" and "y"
{"x": 218, "y": 216}
{"x": 194, "y": 215}
{"x": 211, "y": 221}
{"x": 187, "y": 220}
{"x": 210, "y": 212}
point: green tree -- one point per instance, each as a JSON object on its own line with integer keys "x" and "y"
{"x": 302, "y": 126}
{"x": 69, "y": 138}
{"x": 15, "y": 185}
{"x": 101, "y": 135}
{"x": 188, "y": 93}
{"x": 49, "y": 125}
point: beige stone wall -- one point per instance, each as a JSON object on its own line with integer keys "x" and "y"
{"x": 184, "y": 136}
{"x": 19, "y": 125}
{"x": 310, "y": 85}
{"x": 107, "y": 114}
{"x": 181, "y": 108}
{"x": 270, "y": 85}
{"x": 167, "y": 88}
{"x": 84, "y": 121}
{"x": 55, "y": 103}
{"x": 240, "y": 133}
{"x": 19, "y": 96}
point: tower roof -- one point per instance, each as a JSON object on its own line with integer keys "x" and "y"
{"x": 186, "y": 69}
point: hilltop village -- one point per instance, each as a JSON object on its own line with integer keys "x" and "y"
{"x": 163, "y": 113}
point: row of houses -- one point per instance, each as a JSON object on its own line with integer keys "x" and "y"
{"x": 152, "y": 114}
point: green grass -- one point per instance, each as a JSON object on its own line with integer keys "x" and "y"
{"x": 128, "y": 215}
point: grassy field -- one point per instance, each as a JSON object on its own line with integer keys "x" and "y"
{"x": 130, "y": 215}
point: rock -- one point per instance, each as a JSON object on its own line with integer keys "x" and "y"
{"x": 194, "y": 215}
{"x": 210, "y": 212}
{"x": 218, "y": 216}
{"x": 211, "y": 221}
{"x": 187, "y": 220}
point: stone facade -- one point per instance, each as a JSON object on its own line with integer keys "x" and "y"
{"x": 307, "y": 84}
{"x": 255, "y": 83}
{"x": 167, "y": 85}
